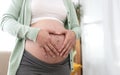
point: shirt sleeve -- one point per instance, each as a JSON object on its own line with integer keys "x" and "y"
{"x": 9, "y": 22}
{"x": 75, "y": 26}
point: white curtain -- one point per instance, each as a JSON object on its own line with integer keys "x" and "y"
{"x": 101, "y": 37}
{"x": 112, "y": 36}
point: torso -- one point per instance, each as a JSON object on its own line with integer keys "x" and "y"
{"x": 37, "y": 51}
{"x": 47, "y": 15}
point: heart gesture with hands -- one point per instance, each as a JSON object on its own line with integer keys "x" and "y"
{"x": 44, "y": 40}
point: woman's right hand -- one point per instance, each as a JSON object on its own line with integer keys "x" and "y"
{"x": 44, "y": 41}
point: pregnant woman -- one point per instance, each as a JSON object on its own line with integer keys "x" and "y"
{"x": 46, "y": 31}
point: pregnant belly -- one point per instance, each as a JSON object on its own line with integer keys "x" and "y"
{"x": 39, "y": 52}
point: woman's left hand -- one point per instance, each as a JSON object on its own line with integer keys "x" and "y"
{"x": 68, "y": 44}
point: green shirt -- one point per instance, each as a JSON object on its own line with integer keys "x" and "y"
{"x": 16, "y": 21}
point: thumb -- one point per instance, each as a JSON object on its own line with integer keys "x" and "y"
{"x": 57, "y": 32}
{"x": 52, "y": 31}
{"x": 62, "y": 32}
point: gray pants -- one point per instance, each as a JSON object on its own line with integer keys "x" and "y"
{"x": 30, "y": 65}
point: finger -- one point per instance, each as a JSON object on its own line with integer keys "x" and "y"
{"x": 68, "y": 51}
{"x": 51, "y": 31}
{"x": 57, "y": 32}
{"x": 45, "y": 52}
{"x": 62, "y": 32}
{"x": 53, "y": 44}
{"x": 53, "y": 49}
{"x": 64, "y": 44}
{"x": 65, "y": 49}
{"x": 49, "y": 51}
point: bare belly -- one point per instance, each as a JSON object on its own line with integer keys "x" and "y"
{"x": 39, "y": 52}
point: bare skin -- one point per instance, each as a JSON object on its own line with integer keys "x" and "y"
{"x": 54, "y": 42}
